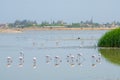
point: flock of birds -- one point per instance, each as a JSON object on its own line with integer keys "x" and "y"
{"x": 71, "y": 59}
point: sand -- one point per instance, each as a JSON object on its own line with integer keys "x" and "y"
{"x": 8, "y": 30}
{"x": 20, "y": 30}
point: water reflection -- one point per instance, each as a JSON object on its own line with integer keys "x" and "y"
{"x": 111, "y": 55}
{"x": 38, "y": 59}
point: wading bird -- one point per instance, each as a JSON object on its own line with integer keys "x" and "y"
{"x": 48, "y": 59}
{"x": 79, "y": 59}
{"x": 93, "y": 60}
{"x": 34, "y": 62}
{"x": 21, "y": 59}
{"x": 9, "y": 61}
{"x": 72, "y": 60}
{"x": 57, "y": 60}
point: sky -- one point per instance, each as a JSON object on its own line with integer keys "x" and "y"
{"x": 100, "y": 11}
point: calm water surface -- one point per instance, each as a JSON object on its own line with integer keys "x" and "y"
{"x": 57, "y": 45}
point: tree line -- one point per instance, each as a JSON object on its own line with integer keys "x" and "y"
{"x": 28, "y": 23}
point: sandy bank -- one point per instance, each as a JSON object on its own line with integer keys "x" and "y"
{"x": 27, "y": 29}
{"x": 10, "y": 30}
{"x": 19, "y": 30}
{"x": 35, "y": 28}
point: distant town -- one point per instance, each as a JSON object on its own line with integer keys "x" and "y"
{"x": 60, "y": 23}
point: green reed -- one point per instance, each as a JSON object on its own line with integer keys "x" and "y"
{"x": 110, "y": 39}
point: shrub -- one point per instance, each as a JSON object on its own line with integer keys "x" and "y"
{"x": 110, "y": 39}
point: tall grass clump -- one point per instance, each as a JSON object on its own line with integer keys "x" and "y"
{"x": 110, "y": 39}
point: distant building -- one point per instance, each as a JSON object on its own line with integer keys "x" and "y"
{"x": 54, "y": 26}
{"x": 3, "y": 25}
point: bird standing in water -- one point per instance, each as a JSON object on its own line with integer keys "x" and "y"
{"x": 9, "y": 61}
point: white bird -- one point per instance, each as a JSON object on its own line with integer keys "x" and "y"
{"x": 93, "y": 60}
{"x": 72, "y": 61}
{"x": 9, "y": 61}
{"x": 34, "y": 62}
{"x": 68, "y": 58}
{"x": 21, "y": 61}
{"x": 98, "y": 60}
{"x": 48, "y": 59}
{"x": 57, "y": 60}
{"x": 79, "y": 59}
{"x": 21, "y": 54}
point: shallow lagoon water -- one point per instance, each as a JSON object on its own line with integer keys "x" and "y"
{"x": 38, "y": 44}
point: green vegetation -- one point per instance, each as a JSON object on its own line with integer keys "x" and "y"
{"x": 59, "y": 23}
{"x": 110, "y": 39}
{"x": 111, "y": 55}
{"x": 22, "y": 24}
{"x": 53, "y": 24}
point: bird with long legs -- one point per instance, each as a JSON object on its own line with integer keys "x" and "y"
{"x": 57, "y": 60}
{"x": 21, "y": 59}
{"x": 93, "y": 60}
{"x": 79, "y": 59}
{"x": 34, "y": 62}
{"x": 72, "y": 60}
{"x": 48, "y": 59}
{"x": 9, "y": 61}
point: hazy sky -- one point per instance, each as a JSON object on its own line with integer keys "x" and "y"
{"x": 66, "y": 10}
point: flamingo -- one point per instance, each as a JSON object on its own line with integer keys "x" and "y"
{"x": 93, "y": 60}
{"x": 57, "y": 60}
{"x": 72, "y": 60}
{"x": 48, "y": 59}
{"x": 34, "y": 62}
{"x": 21, "y": 59}
{"x": 99, "y": 58}
{"x": 9, "y": 61}
{"x": 79, "y": 59}
{"x": 68, "y": 58}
